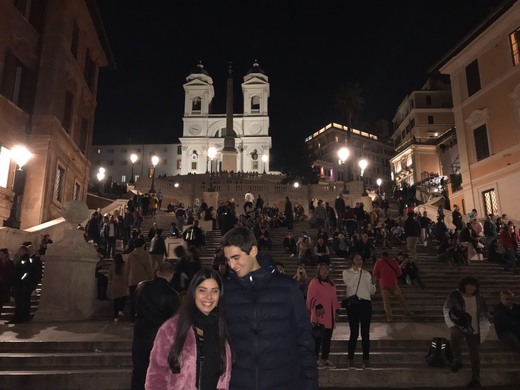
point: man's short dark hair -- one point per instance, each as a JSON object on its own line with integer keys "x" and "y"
{"x": 166, "y": 268}
{"x": 241, "y": 237}
{"x": 139, "y": 242}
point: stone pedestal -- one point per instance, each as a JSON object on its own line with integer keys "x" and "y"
{"x": 69, "y": 287}
{"x": 229, "y": 160}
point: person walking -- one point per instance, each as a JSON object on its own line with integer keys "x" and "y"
{"x": 158, "y": 250}
{"x": 156, "y": 301}
{"x": 466, "y": 315}
{"x": 322, "y": 303}
{"x": 289, "y": 214}
{"x": 23, "y": 286}
{"x": 137, "y": 269}
{"x": 191, "y": 349}
{"x": 387, "y": 272}
{"x": 268, "y": 322}
{"x": 359, "y": 283}
{"x": 412, "y": 231}
{"x": 117, "y": 288}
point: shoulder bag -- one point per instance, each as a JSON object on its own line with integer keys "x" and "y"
{"x": 353, "y": 299}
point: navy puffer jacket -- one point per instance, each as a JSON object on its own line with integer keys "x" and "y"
{"x": 270, "y": 332}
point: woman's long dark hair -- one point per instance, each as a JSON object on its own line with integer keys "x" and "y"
{"x": 318, "y": 276}
{"x": 187, "y": 320}
{"x": 118, "y": 261}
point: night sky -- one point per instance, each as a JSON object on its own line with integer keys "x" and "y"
{"x": 307, "y": 50}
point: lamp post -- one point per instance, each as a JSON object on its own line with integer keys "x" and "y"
{"x": 363, "y": 165}
{"x": 155, "y": 161}
{"x": 133, "y": 159}
{"x": 343, "y": 155}
{"x": 379, "y": 182}
{"x": 100, "y": 176}
{"x": 265, "y": 159}
{"x": 20, "y": 155}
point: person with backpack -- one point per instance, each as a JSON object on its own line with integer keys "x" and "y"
{"x": 466, "y": 315}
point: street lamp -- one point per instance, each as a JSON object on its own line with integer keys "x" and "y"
{"x": 133, "y": 159}
{"x": 100, "y": 176}
{"x": 20, "y": 155}
{"x": 363, "y": 165}
{"x": 265, "y": 159}
{"x": 296, "y": 184}
{"x": 155, "y": 161}
{"x": 212, "y": 153}
{"x": 343, "y": 155}
{"x": 379, "y": 182}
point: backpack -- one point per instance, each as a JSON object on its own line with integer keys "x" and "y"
{"x": 439, "y": 353}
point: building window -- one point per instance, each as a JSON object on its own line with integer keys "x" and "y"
{"x": 196, "y": 104}
{"x": 430, "y": 119}
{"x": 429, "y": 100}
{"x": 18, "y": 83}
{"x": 90, "y": 71}
{"x": 255, "y": 165}
{"x": 255, "y": 103}
{"x": 194, "y": 165}
{"x": 124, "y": 162}
{"x": 83, "y": 136}
{"x": 74, "y": 40}
{"x": 480, "y": 137}
{"x": 67, "y": 111}
{"x": 490, "y": 202}
{"x": 124, "y": 150}
{"x": 473, "y": 78}
{"x": 179, "y": 149}
{"x": 5, "y": 163}
{"x": 514, "y": 40}
{"x": 110, "y": 150}
{"x": 58, "y": 184}
{"x": 179, "y": 164}
{"x": 77, "y": 191}
{"x": 123, "y": 179}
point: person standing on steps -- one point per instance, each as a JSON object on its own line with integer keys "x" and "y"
{"x": 268, "y": 322}
{"x": 359, "y": 282}
{"x": 387, "y": 272}
{"x": 466, "y": 315}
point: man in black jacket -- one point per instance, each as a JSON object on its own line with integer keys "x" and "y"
{"x": 156, "y": 301}
{"x": 412, "y": 230}
{"x": 507, "y": 320}
{"x": 267, "y": 319}
{"x": 25, "y": 275}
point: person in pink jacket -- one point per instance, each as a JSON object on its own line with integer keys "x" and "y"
{"x": 191, "y": 350}
{"x": 322, "y": 302}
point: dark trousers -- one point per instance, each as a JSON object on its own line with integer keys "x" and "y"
{"x": 511, "y": 339}
{"x": 324, "y": 343}
{"x": 360, "y": 314}
{"x": 131, "y": 290}
{"x": 102, "y": 284}
{"x": 22, "y": 300}
{"x": 473, "y": 341}
{"x": 119, "y": 305}
{"x": 141, "y": 349}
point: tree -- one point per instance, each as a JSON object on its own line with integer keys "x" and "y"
{"x": 301, "y": 169}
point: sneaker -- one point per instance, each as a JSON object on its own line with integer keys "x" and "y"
{"x": 366, "y": 364}
{"x": 321, "y": 364}
{"x": 329, "y": 364}
{"x": 121, "y": 314}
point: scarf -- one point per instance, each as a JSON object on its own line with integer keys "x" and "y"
{"x": 208, "y": 347}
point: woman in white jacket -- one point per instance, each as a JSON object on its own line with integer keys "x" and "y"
{"x": 359, "y": 282}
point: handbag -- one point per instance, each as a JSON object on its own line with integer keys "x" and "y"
{"x": 353, "y": 299}
{"x": 317, "y": 330}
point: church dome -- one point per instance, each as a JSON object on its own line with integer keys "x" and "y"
{"x": 255, "y": 69}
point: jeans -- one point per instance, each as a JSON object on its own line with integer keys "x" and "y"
{"x": 324, "y": 343}
{"x": 411, "y": 243}
{"x": 473, "y": 341}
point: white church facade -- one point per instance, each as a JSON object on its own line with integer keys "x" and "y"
{"x": 202, "y": 142}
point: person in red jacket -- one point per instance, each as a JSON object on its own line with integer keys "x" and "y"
{"x": 387, "y": 272}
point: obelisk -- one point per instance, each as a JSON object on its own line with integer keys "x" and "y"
{"x": 229, "y": 153}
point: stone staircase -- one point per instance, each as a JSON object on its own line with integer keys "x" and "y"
{"x": 397, "y": 350}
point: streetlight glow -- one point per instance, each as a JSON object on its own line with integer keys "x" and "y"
{"x": 379, "y": 182}
{"x": 296, "y": 184}
{"x": 343, "y": 154}
{"x": 155, "y": 160}
{"x": 133, "y": 158}
{"x": 363, "y": 164}
{"x": 20, "y": 155}
{"x": 212, "y": 152}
